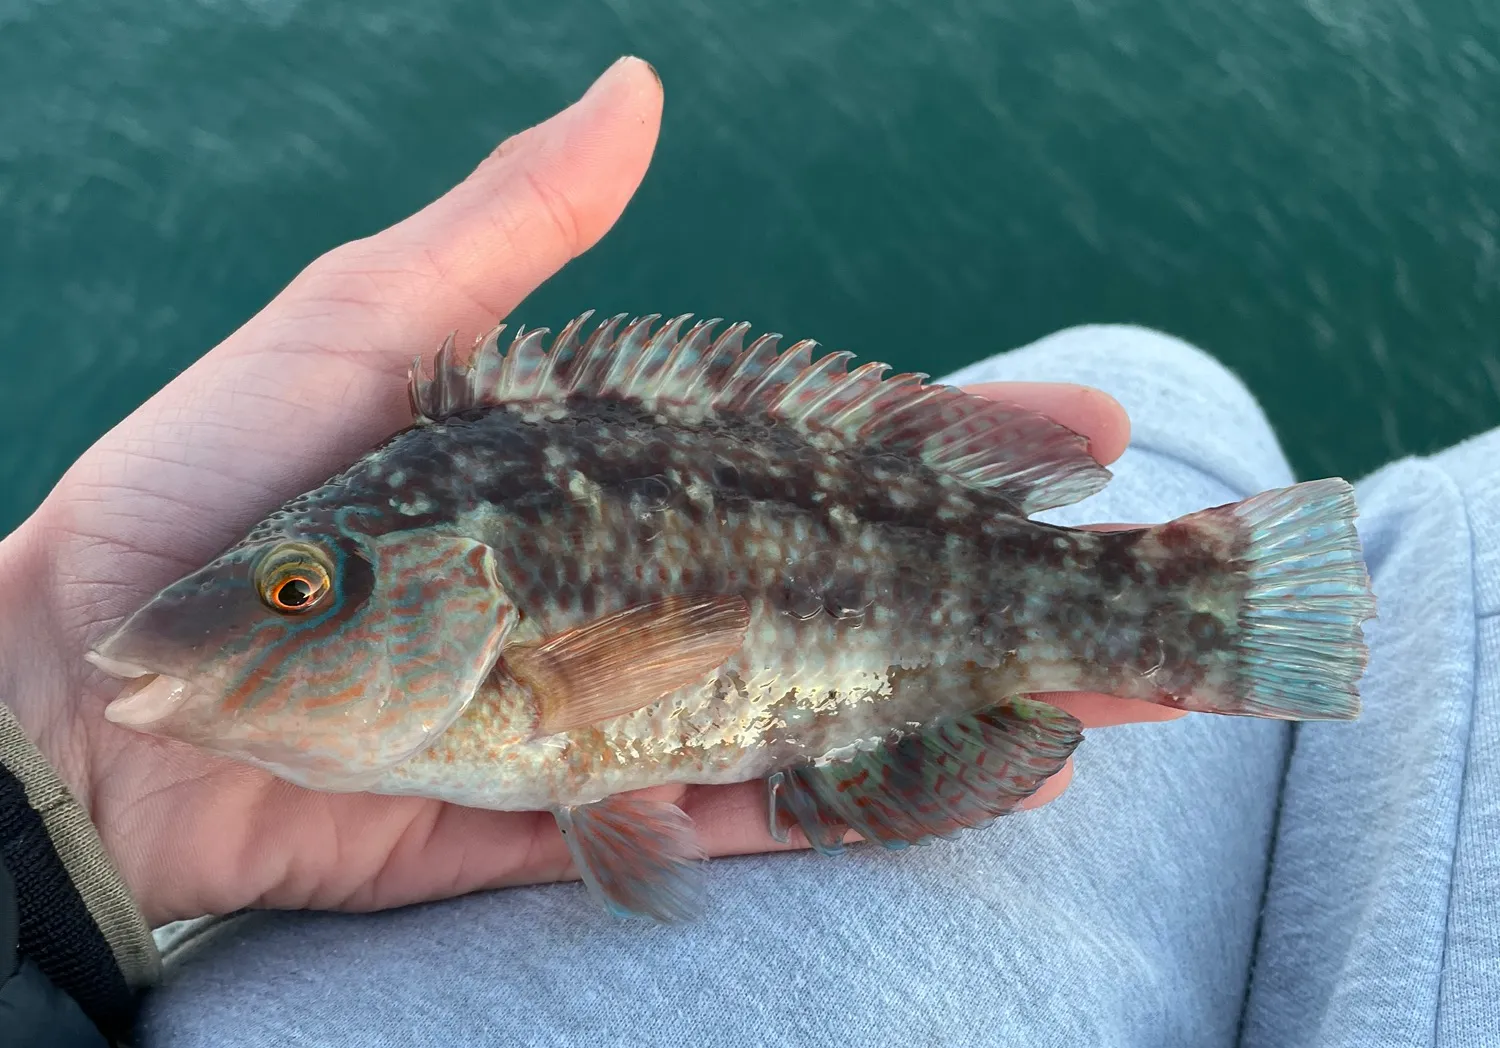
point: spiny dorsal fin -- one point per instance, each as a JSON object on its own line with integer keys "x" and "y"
{"x": 693, "y": 375}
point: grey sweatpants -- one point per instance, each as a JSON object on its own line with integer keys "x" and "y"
{"x": 1210, "y": 881}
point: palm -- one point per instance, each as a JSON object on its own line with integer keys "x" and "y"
{"x": 305, "y": 386}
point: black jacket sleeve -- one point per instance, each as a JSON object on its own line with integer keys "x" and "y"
{"x": 59, "y": 982}
{"x": 33, "y": 1012}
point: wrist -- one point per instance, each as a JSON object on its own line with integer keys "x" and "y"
{"x": 35, "y": 681}
{"x": 46, "y": 757}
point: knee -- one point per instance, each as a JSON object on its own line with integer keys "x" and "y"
{"x": 1132, "y": 349}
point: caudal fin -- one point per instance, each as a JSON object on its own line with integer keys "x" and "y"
{"x": 1301, "y": 649}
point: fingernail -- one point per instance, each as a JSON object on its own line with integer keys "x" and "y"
{"x": 602, "y": 77}
{"x": 614, "y": 68}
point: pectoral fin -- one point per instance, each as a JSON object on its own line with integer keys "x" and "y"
{"x": 960, "y": 773}
{"x": 626, "y": 661}
{"x": 639, "y": 858}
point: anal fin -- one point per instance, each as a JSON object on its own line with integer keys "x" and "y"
{"x": 640, "y": 858}
{"x": 962, "y": 772}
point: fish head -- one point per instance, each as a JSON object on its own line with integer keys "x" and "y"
{"x": 325, "y": 658}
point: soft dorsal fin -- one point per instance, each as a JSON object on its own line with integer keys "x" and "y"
{"x": 693, "y": 375}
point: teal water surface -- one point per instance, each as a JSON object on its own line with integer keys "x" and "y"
{"x": 1307, "y": 189}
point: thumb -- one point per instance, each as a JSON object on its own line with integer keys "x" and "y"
{"x": 542, "y": 198}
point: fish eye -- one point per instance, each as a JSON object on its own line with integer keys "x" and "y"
{"x": 294, "y": 578}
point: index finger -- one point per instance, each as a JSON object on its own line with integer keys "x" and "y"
{"x": 1090, "y": 412}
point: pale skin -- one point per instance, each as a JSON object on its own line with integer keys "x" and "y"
{"x": 305, "y": 386}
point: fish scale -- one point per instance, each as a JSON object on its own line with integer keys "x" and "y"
{"x": 731, "y": 538}
{"x": 657, "y": 554}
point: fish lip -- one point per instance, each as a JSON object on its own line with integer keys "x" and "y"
{"x": 148, "y": 696}
{"x": 116, "y": 667}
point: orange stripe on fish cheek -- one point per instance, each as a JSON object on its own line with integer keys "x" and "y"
{"x": 337, "y": 698}
{"x": 238, "y": 699}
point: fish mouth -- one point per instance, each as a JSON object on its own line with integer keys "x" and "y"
{"x": 147, "y": 697}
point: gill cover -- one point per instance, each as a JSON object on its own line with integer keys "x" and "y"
{"x": 329, "y": 696}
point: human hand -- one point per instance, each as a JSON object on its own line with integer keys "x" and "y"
{"x": 304, "y": 387}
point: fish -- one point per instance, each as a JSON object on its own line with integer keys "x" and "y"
{"x": 650, "y": 553}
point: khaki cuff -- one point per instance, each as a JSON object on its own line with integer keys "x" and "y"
{"x": 77, "y": 843}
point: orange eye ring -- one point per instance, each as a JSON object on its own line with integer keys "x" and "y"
{"x": 293, "y": 579}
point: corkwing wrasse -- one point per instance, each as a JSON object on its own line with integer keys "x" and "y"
{"x": 655, "y": 555}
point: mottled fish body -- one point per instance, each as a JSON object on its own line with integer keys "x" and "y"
{"x": 649, "y": 556}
